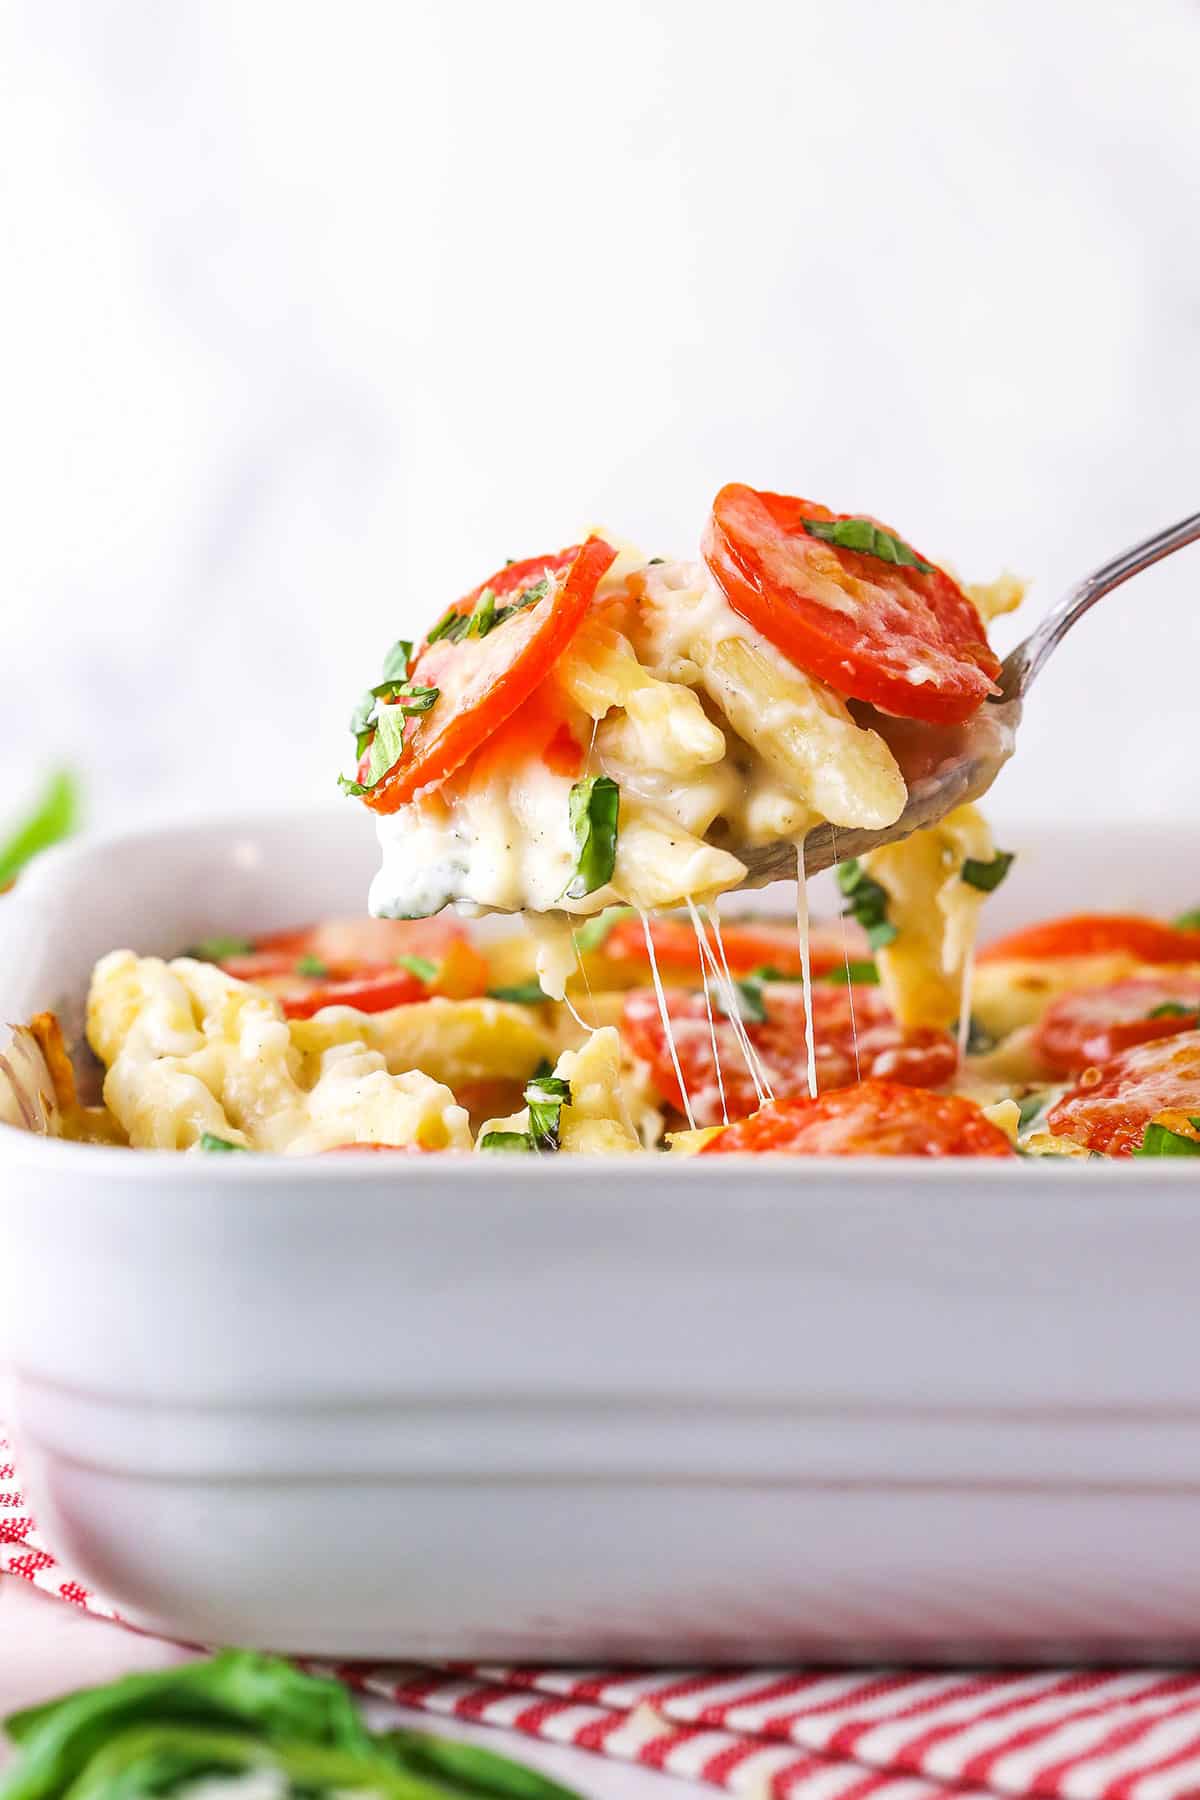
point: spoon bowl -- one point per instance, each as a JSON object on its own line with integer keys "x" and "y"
{"x": 946, "y": 768}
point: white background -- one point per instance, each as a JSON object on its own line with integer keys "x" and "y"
{"x": 313, "y": 313}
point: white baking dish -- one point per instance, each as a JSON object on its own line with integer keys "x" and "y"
{"x": 575, "y": 1410}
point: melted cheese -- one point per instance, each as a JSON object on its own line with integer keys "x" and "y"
{"x": 189, "y": 1050}
{"x": 935, "y": 913}
{"x": 710, "y": 734}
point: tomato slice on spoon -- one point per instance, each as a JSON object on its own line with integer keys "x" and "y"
{"x": 1097, "y": 934}
{"x": 920, "y": 1056}
{"x": 879, "y": 623}
{"x": 873, "y": 1118}
{"x": 1089, "y": 1026}
{"x": 524, "y": 617}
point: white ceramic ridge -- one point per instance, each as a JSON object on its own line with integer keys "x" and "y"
{"x": 746, "y": 1412}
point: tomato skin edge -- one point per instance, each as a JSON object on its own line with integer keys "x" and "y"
{"x": 824, "y": 658}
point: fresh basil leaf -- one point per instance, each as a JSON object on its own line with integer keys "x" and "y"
{"x": 55, "y": 816}
{"x": 524, "y": 993}
{"x": 1188, "y": 921}
{"x": 452, "y": 625}
{"x": 593, "y": 932}
{"x": 871, "y": 539}
{"x": 1171, "y": 1009}
{"x": 750, "y": 1001}
{"x": 1160, "y": 1141}
{"x": 866, "y": 903}
{"x": 1031, "y": 1109}
{"x": 497, "y": 1140}
{"x": 312, "y": 965}
{"x": 397, "y": 661}
{"x": 208, "y": 1140}
{"x": 594, "y": 808}
{"x": 237, "y": 1688}
{"x": 387, "y": 746}
{"x": 351, "y": 787}
{"x": 483, "y": 615}
{"x": 545, "y": 1096}
{"x": 858, "y": 974}
{"x": 421, "y": 966}
{"x": 467, "y": 1770}
{"x": 217, "y": 949}
{"x": 987, "y": 876}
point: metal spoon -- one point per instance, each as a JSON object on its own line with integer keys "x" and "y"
{"x": 943, "y": 767}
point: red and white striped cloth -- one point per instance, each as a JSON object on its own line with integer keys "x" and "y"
{"x": 866, "y": 1734}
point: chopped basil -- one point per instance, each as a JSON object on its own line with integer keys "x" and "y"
{"x": 312, "y": 965}
{"x": 210, "y": 1141}
{"x": 485, "y": 615}
{"x": 858, "y": 974}
{"x": 592, "y": 934}
{"x": 866, "y": 903}
{"x": 865, "y": 535}
{"x": 1171, "y": 1009}
{"x": 524, "y": 993}
{"x": 453, "y": 625}
{"x": 216, "y": 949}
{"x": 655, "y": 559}
{"x": 1188, "y": 921}
{"x": 1031, "y": 1109}
{"x": 1159, "y": 1141}
{"x": 54, "y": 817}
{"x": 506, "y": 1140}
{"x": 987, "y": 876}
{"x": 396, "y": 662}
{"x": 751, "y": 1007}
{"x": 382, "y": 729}
{"x": 421, "y": 966}
{"x": 545, "y": 1096}
{"x": 979, "y": 1041}
{"x": 594, "y": 808}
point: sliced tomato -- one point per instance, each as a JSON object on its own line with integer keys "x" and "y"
{"x": 395, "y": 1149}
{"x": 906, "y": 640}
{"x": 481, "y": 681}
{"x": 1091, "y": 1025}
{"x": 1097, "y": 934}
{"x": 354, "y": 962}
{"x": 748, "y": 946}
{"x": 1109, "y": 1108}
{"x": 920, "y": 1057}
{"x": 873, "y": 1118}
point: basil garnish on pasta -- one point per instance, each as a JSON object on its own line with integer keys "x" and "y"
{"x": 218, "y": 1145}
{"x": 545, "y": 1096}
{"x": 594, "y": 807}
{"x": 421, "y": 966}
{"x": 216, "y": 949}
{"x": 866, "y": 903}
{"x": 1188, "y": 921}
{"x": 522, "y": 993}
{"x": 869, "y": 538}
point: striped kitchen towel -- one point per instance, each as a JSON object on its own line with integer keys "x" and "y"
{"x": 799, "y": 1734}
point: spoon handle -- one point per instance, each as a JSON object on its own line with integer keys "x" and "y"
{"x": 1023, "y": 663}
